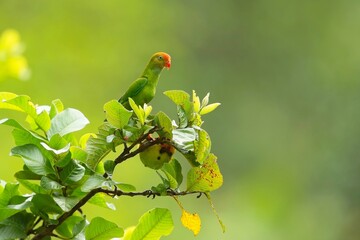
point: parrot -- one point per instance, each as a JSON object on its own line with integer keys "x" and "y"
{"x": 155, "y": 156}
{"x": 143, "y": 89}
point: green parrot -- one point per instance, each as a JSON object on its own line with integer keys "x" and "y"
{"x": 155, "y": 156}
{"x": 143, "y": 89}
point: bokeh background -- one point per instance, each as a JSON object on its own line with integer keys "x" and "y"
{"x": 287, "y": 74}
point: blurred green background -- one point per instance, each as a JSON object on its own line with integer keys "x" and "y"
{"x": 286, "y": 72}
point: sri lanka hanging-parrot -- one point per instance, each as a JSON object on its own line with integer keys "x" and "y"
{"x": 155, "y": 156}
{"x": 143, "y": 89}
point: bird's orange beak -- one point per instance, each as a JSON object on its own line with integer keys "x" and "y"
{"x": 168, "y": 64}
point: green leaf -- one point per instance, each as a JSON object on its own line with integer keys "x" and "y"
{"x": 50, "y": 184}
{"x": 179, "y": 97}
{"x": 56, "y": 107}
{"x": 205, "y": 178}
{"x": 138, "y": 111}
{"x": 9, "y": 190}
{"x": 164, "y": 122}
{"x": 68, "y": 121}
{"x": 125, "y": 187}
{"x": 153, "y": 225}
{"x": 66, "y": 203}
{"x": 173, "y": 173}
{"x": 66, "y": 229}
{"x": 97, "y": 147}
{"x": 26, "y": 136}
{"x": 96, "y": 181}
{"x": 184, "y": 138}
{"x": 39, "y": 114}
{"x": 27, "y": 175}
{"x": 102, "y": 229}
{"x": 43, "y": 120}
{"x": 202, "y": 146}
{"x": 78, "y": 153}
{"x": 32, "y": 186}
{"x": 5, "y": 96}
{"x": 205, "y": 100}
{"x": 209, "y": 108}
{"x": 99, "y": 200}
{"x": 23, "y": 104}
{"x": 116, "y": 114}
{"x": 33, "y": 159}
{"x": 131, "y": 134}
{"x": 72, "y": 173}
{"x": 16, "y": 226}
{"x": 183, "y": 120}
{"x": 46, "y": 204}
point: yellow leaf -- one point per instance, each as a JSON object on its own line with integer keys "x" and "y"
{"x": 196, "y": 102}
{"x": 191, "y": 221}
{"x": 209, "y": 108}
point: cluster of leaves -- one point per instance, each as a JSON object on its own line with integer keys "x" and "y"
{"x": 62, "y": 173}
{"x": 12, "y": 63}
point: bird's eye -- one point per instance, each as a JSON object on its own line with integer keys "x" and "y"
{"x": 160, "y": 57}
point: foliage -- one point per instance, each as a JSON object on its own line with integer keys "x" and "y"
{"x": 63, "y": 173}
{"x": 12, "y": 63}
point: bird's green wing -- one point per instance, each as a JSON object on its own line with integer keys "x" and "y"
{"x": 134, "y": 89}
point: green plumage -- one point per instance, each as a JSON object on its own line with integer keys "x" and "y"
{"x": 143, "y": 89}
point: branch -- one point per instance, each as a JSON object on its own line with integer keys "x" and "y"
{"x": 148, "y": 193}
{"x": 126, "y": 154}
{"x": 47, "y": 231}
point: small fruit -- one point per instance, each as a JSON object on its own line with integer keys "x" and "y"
{"x": 155, "y": 156}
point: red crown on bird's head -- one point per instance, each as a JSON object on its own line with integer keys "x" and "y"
{"x": 167, "y": 59}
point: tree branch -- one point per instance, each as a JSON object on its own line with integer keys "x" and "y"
{"x": 126, "y": 154}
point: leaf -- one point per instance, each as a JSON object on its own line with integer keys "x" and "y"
{"x": 50, "y": 184}
{"x": 202, "y": 146}
{"x": 9, "y": 190}
{"x": 78, "y": 153}
{"x": 138, "y": 111}
{"x": 31, "y": 137}
{"x": 4, "y": 96}
{"x": 60, "y": 152}
{"x": 66, "y": 203}
{"x": 196, "y": 101}
{"x": 16, "y": 226}
{"x": 46, "y": 204}
{"x": 209, "y": 108}
{"x": 27, "y": 175}
{"x": 68, "y": 121}
{"x": 66, "y": 228}
{"x": 33, "y": 159}
{"x": 97, "y": 147}
{"x": 179, "y": 97}
{"x": 56, "y": 107}
{"x": 96, "y": 181}
{"x": 99, "y": 200}
{"x": 205, "y": 100}
{"x": 40, "y": 115}
{"x": 173, "y": 173}
{"x": 164, "y": 122}
{"x": 128, "y": 233}
{"x": 184, "y": 138}
{"x": 32, "y": 186}
{"x": 153, "y": 225}
{"x": 191, "y": 221}
{"x": 183, "y": 120}
{"x": 205, "y": 178}
{"x": 125, "y": 187}
{"x": 22, "y": 103}
{"x": 102, "y": 229}
{"x": 72, "y": 173}
{"x": 116, "y": 114}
